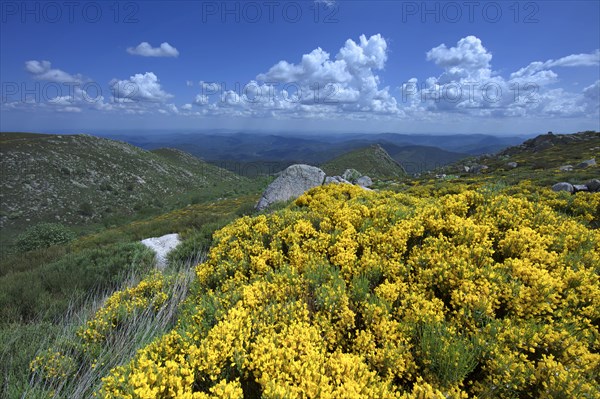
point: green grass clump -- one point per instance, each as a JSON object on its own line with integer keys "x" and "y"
{"x": 47, "y": 290}
{"x": 44, "y": 235}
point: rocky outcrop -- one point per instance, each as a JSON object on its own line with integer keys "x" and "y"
{"x": 162, "y": 246}
{"x": 549, "y": 140}
{"x": 296, "y": 179}
{"x": 291, "y": 183}
{"x": 563, "y": 186}
{"x": 512, "y": 165}
{"x": 586, "y": 164}
{"x": 592, "y": 186}
{"x": 364, "y": 181}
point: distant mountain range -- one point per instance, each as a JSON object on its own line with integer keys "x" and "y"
{"x": 78, "y": 179}
{"x": 415, "y": 152}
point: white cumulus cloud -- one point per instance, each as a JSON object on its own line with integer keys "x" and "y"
{"x": 42, "y": 70}
{"x": 139, "y": 88}
{"x": 468, "y": 85}
{"x": 144, "y": 49}
{"x": 319, "y": 85}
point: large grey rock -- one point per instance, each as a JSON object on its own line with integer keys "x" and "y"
{"x": 364, "y": 181}
{"x": 593, "y": 185}
{"x": 162, "y": 246}
{"x": 580, "y": 187}
{"x": 585, "y": 164}
{"x": 563, "y": 186}
{"x": 291, "y": 183}
{"x": 512, "y": 165}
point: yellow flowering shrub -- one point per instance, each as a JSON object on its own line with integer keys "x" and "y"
{"x": 149, "y": 292}
{"x": 53, "y": 365}
{"x": 349, "y": 293}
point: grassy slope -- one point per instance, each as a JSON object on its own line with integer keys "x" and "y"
{"x": 372, "y": 161}
{"x": 28, "y": 323}
{"x": 82, "y": 179}
{"x": 419, "y": 158}
{"x": 537, "y": 162}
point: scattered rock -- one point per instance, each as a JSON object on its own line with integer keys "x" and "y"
{"x": 162, "y": 246}
{"x": 563, "y": 186}
{"x": 566, "y": 168}
{"x": 352, "y": 175}
{"x": 585, "y": 164}
{"x": 364, "y": 181}
{"x": 593, "y": 185}
{"x": 475, "y": 169}
{"x": 292, "y": 183}
{"x": 466, "y": 168}
{"x": 580, "y": 187}
{"x": 296, "y": 179}
{"x": 512, "y": 165}
{"x": 336, "y": 180}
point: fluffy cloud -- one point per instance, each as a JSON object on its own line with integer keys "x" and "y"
{"x": 469, "y": 59}
{"x": 469, "y": 52}
{"x": 318, "y": 86}
{"x": 42, "y": 70}
{"x": 144, "y": 49}
{"x": 468, "y": 85}
{"x": 139, "y": 88}
{"x": 140, "y": 94}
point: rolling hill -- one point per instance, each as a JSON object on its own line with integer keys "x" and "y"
{"x": 372, "y": 161}
{"x": 420, "y": 158}
{"x": 544, "y": 160}
{"x": 76, "y": 179}
{"x": 250, "y": 152}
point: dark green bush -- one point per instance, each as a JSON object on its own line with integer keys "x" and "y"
{"x": 44, "y": 235}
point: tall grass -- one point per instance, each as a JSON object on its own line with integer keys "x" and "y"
{"x": 85, "y": 370}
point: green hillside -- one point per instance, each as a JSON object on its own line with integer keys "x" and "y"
{"x": 420, "y": 158}
{"x": 453, "y": 284}
{"x": 539, "y": 160}
{"x": 372, "y": 161}
{"x": 81, "y": 179}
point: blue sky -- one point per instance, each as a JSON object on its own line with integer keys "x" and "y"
{"x": 362, "y": 66}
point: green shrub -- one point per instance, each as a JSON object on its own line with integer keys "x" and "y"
{"x": 44, "y": 235}
{"x": 47, "y": 291}
{"x": 448, "y": 356}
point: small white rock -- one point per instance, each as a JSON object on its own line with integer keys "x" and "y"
{"x": 162, "y": 246}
